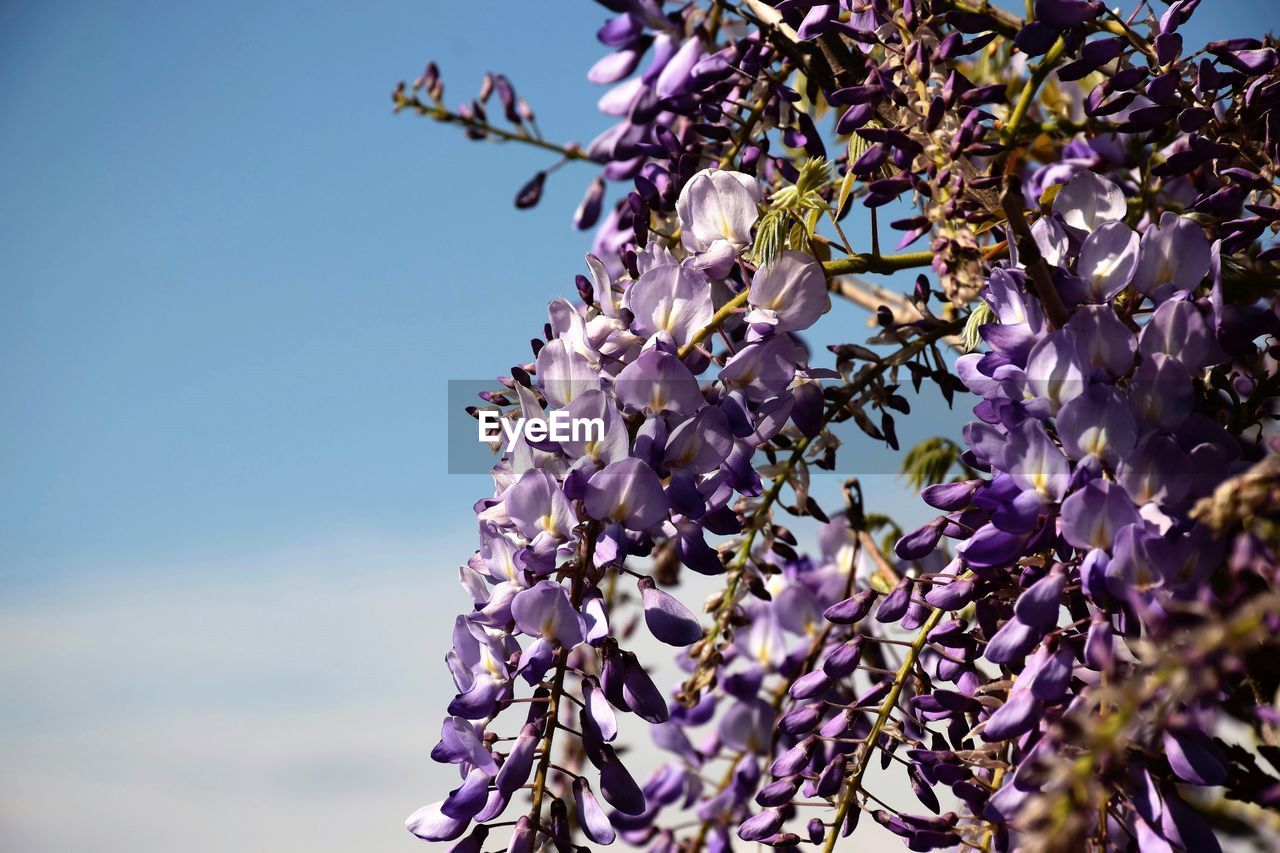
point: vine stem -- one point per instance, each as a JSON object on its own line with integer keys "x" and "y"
{"x": 585, "y": 552}
{"x": 883, "y": 264}
{"x": 738, "y": 567}
{"x": 1039, "y": 73}
{"x": 886, "y": 708}
{"x": 779, "y": 696}
{"x": 447, "y": 116}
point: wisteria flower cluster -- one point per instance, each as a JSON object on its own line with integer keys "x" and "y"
{"x": 1079, "y": 651}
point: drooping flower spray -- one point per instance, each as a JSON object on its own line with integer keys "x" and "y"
{"x": 1079, "y": 650}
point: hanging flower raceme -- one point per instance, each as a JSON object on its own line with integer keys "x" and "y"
{"x": 1063, "y": 655}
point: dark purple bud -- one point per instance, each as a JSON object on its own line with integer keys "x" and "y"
{"x": 597, "y": 711}
{"x": 924, "y": 793}
{"x": 1065, "y": 14}
{"x": 1099, "y": 651}
{"x": 506, "y": 94}
{"x": 473, "y": 843}
{"x": 762, "y": 826}
{"x": 937, "y": 109}
{"x": 921, "y": 542}
{"x": 1014, "y": 718}
{"x": 523, "y": 836}
{"x": 895, "y": 604}
{"x": 643, "y": 697}
{"x": 1193, "y": 118}
{"x": 595, "y": 825}
{"x": 873, "y": 158}
{"x": 851, "y": 610}
{"x": 515, "y": 770}
{"x": 949, "y": 47}
{"x": 838, "y": 725}
{"x": 855, "y": 117}
{"x": 983, "y": 95}
{"x": 802, "y": 720}
{"x": 809, "y": 685}
{"x": 1163, "y": 87}
{"x": 831, "y": 778}
{"x": 620, "y": 31}
{"x": 1168, "y": 46}
{"x": 950, "y": 596}
{"x": 668, "y": 620}
{"x": 843, "y": 660}
{"x": 1012, "y": 642}
{"x": 1036, "y": 38}
{"x": 779, "y": 793}
{"x": 617, "y": 787}
{"x": 465, "y": 801}
{"x": 588, "y": 212}
{"x": 611, "y": 675}
{"x": 877, "y": 692}
{"x": 816, "y": 830}
{"x": 950, "y": 497}
{"x": 531, "y": 193}
{"x": 1126, "y": 79}
{"x": 1249, "y": 61}
{"x": 1038, "y": 605}
{"x": 794, "y": 759}
{"x": 1193, "y": 756}
{"x": 1050, "y": 679}
{"x": 855, "y": 95}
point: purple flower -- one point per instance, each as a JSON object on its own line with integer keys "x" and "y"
{"x": 1038, "y": 605}
{"x": 790, "y": 294}
{"x": 658, "y": 382}
{"x": 1012, "y": 641}
{"x": 1055, "y": 371}
{"x": 1093, "y": 516}
{"x": 466, "y": 801}
{"x": 564, "y": 373}
{"x": 1098, "y": 423}
{"x": 717, "y": 211}
{"x": 536, "y": 505}
{"x": 460, "y": 744}
{"x": 626, "y": 492}
{"x": 1035, "y": 462}
{"x": 671, "y": 299}
{"x": 1102, "y": 340}
{"x": 543, "y": 610}
{"x": 1178, "y": 329}
{"x": 1087, "y": 202}
{"x": 1015, "y": 717}
{"x": 430, "y": 824}
{"x": 1174, "y": 252}
{"x": 1107, "y": 260}
{"x": 763, "y": 369}
{"x": 677, "y": 75}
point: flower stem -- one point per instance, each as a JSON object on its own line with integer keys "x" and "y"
{"x": 877, "y": 263}
{"x": 586, "y": 550}
{"x": 886, "y": 707}
{"x": 440, "y": 113}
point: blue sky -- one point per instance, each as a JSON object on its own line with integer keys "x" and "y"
{"x": 234, "y": 288}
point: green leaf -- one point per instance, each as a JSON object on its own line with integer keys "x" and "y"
{"x": 979, "y": 317}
